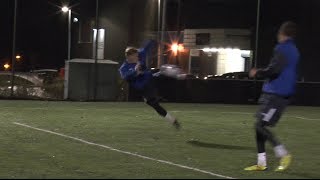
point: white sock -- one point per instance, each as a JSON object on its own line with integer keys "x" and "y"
{"x": 170, "y": 118}
{"x": 262, "y": 159}
{"x": 280, "y": 151}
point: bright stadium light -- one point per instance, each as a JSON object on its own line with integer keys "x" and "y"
{"x": 65, "y": 9}
{"x": 174, "y": 47}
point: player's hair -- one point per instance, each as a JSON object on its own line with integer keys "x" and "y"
{"x": 130, "y": 51}
{"x": 289, "y": 29}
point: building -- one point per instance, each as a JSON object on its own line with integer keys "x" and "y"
{"x": 217, "y": 51}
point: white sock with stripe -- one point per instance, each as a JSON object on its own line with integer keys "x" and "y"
{"x": 280, "y": 151}
{"x": 262, "y": 159}
{"x": 170, "y": 118}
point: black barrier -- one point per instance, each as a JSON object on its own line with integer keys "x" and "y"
{"x": 308, "y": 94}
{"x": 224, "y": 91}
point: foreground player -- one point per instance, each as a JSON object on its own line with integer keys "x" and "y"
{"x": 280, "y": 85}
{"x": 135, "y": 72}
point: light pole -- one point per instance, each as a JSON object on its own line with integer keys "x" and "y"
{"x": 13, "y": 47}
{"x": 257, "y": 34}
{"x": 66, "y": 9}
{"x": 256, "y": 47}
{"x": 158, "y": 35}
{"x": 163, "y": 28}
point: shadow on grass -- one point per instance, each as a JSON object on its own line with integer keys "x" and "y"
{"x": 219, "y": 146}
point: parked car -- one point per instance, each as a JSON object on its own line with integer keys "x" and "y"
{"x": 48, "y": 75}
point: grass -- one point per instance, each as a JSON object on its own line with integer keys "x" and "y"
{"x": 215, "y": 138}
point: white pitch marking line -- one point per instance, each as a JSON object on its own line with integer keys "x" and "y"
{"x": 237, "y": 113}
{"x": 304, "y": 118}
{"x": 125, "y": 152}
{"x": 185, "y": 111}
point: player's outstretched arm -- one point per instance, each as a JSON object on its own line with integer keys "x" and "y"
{"x": 276, "y": 66}
{"x": 148, "y": 45}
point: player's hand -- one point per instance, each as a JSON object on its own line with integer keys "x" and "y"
{"x": 253, "y": 72}
{"x": 138, "y": 67}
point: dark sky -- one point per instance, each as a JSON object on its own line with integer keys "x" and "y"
{"x": 42, "y": 28}
{"x": 41, "y": 32}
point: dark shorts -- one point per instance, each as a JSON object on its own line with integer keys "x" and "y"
{"x": 271, "y": 109}
{"x": 149, "y": 92}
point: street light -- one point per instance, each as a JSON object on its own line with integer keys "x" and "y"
{"x": 18, "y": 57}
{"x": 6, "y": 66}
{"x": 175, "y": 48}
{"x": 66, "y": 9}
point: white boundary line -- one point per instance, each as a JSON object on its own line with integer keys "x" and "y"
{"x": 304, "y": 118}
{"x": 186, "y": 111}
{"x": 296, "y": 117}
{"x": 245, "y": 113}
{"x": 125, "y": 152}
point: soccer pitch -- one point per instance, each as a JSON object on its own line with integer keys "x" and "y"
{"x": 41, "y": 139}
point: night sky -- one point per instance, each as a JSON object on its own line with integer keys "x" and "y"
{"x": 41, "y": 33}
{"x": 42, "y": 27}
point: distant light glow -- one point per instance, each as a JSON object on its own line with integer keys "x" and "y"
{"x": 174, "y": 47}
{"x": 180, "y": 48}
{"x": 206, "y": 50}
{"x": 229, "y": 60}
{"x": 65, "y": 9}
{"x": 222, "y": 50}
{"x": 6, "y": 66}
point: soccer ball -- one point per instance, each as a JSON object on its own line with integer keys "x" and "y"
{"x": 172, "y": 71}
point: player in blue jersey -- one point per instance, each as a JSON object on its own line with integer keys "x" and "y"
{"x": 281, "y": 75}
{"x": 135, "y": 72}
